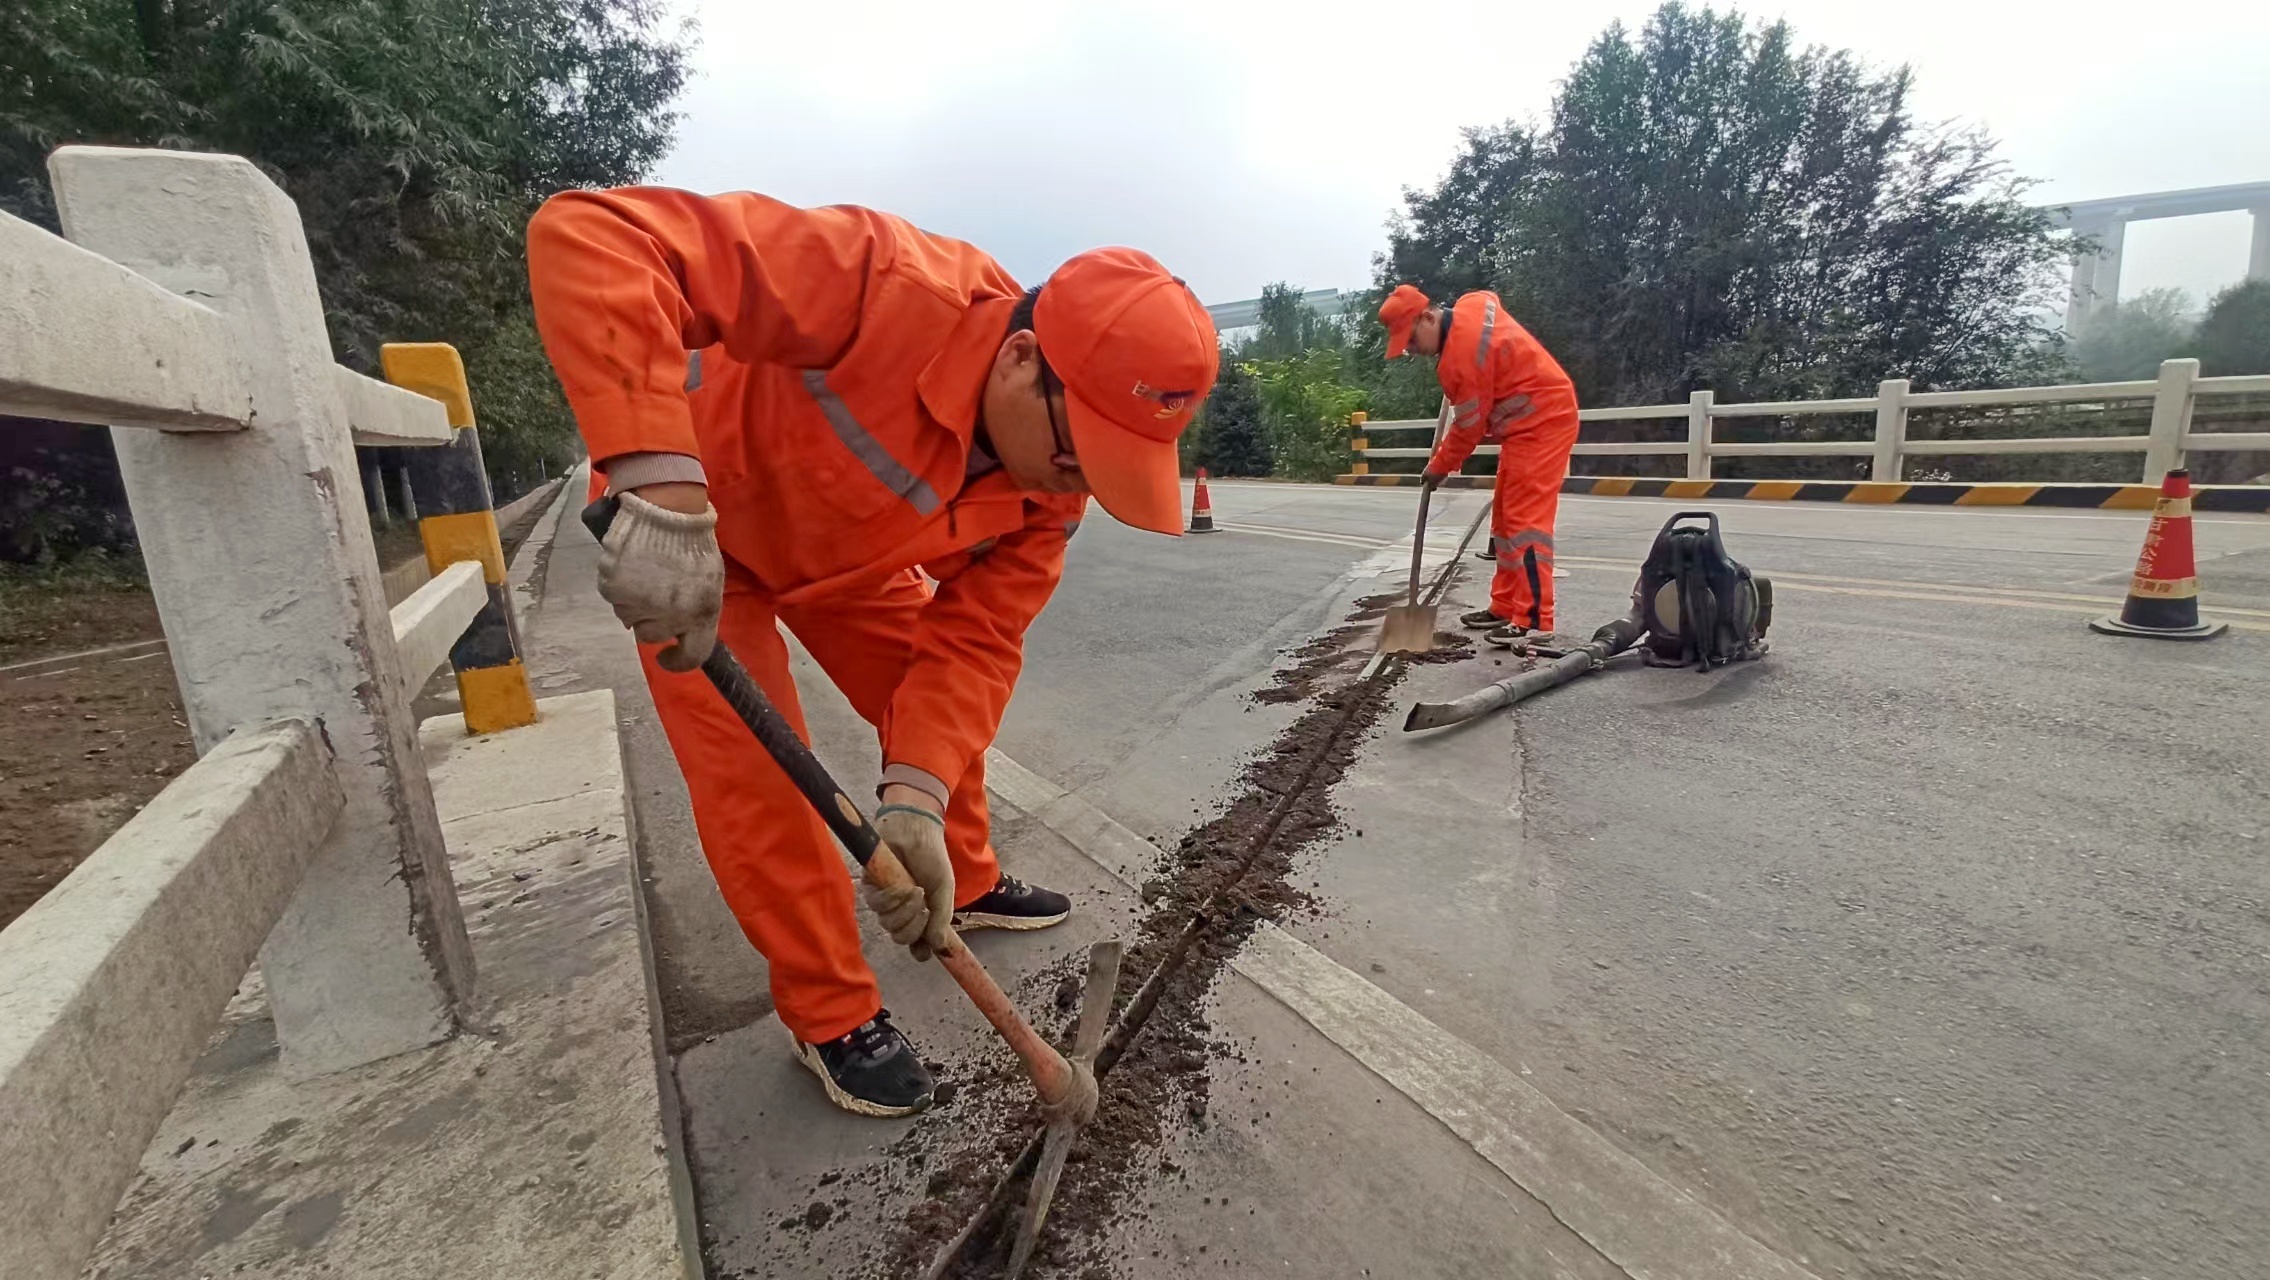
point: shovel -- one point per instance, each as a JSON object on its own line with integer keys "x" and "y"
{"x": 1410, "y": 628}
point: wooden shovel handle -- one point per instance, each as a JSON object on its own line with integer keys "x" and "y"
{"x": 1051, "y": 1074}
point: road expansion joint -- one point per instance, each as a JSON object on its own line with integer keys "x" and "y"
{"x": 1223, "y": 880}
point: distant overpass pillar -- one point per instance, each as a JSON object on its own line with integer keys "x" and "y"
{"x": 2258, "y": 256}
{"x": 2096, "y": 276}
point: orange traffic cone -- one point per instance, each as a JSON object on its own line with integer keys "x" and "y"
{"x": 2163, "y": 597}
{"x": 1201, "y": 507}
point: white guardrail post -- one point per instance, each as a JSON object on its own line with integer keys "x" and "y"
{"x": 265, "y": 576}
{"x": 1698, "y": 435}
{"x": 2171, "y": 418}
{"x": 113, "y": 980}
{"x": 1891, "y": 430}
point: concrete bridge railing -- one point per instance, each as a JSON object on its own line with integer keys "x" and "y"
{"x": 2173, "y": 397}
{"x": 183, "y": 310}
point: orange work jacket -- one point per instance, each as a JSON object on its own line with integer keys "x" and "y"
{"x": 1488, "y": 362}
{"x": 826, "y": 367}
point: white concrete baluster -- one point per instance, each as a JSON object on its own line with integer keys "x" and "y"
{"x": 2171, "y": 417}
{"x": 268, "y": 586}
{"x": 1891, "y": 429}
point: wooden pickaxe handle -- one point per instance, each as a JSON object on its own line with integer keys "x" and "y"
{"x": 1051, "y": 1074}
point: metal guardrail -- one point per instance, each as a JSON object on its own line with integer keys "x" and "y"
{"x": 2173, "y": 395}
{"x": 183, "y": 311}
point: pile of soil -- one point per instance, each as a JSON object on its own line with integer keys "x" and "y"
{"x": 1201, "y": 901}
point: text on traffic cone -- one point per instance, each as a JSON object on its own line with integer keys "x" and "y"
{"x": 2163, "y": 596}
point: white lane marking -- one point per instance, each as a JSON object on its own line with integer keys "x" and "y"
{"x": 1935, "y": 593}
{"x": 1795, "y": 508}
{"x": 1306, "y": 535}
{"x": 2026, "y": 593}
{"x": 42, "y": 675}
{"x": 1620, "y": 1207}
{"x": 144, "y": 657}
{"x": 1636, "y": 1219}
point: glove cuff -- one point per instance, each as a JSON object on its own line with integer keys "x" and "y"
{"x": 938, "y": 818}
{"x": 663, "y": 532}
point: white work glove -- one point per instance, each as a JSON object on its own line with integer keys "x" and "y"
{"x": 666, "y": 578}
{"x": 916, "y": 915}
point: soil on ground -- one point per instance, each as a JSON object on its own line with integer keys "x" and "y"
{"x": 1212, "y": 890}
{"x": 86, "y": 742}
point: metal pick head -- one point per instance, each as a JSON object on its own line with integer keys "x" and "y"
{"x": 1056, "y": 1145}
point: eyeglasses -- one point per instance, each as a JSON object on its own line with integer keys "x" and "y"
{"x": 1064, "y": 459}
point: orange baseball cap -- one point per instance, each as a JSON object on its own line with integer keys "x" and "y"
{"x": 1137, "y": 355}
{"x": 1401, "y": 311}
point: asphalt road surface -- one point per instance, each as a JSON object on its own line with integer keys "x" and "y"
{"x": 1937, "y": 944}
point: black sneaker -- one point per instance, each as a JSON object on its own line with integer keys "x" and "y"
{"x": 1481, "y": 620}
{"x": 1505, "y": 635}
{"x": 871, "y": 1070}
{"x": 1013, "y": 904}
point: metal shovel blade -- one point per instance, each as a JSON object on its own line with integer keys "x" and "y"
{"x": 1087, "y": 1038}
{"x": 1408, "y": 628}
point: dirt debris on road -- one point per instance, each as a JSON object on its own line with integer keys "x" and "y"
{"x": 1160, "y": 1084}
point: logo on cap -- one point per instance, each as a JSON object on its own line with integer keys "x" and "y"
{"x": 1170, "y": 402}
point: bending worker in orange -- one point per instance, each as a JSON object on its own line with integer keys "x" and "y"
{"x": 801, "y": 409}
{"x": 1505, "y": 389}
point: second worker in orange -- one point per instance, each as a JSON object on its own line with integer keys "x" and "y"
{"x": 813, "y": 416}
{"x": 1505, "y": 389}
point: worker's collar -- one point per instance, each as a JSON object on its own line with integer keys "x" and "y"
{"x": 952, "y": 385}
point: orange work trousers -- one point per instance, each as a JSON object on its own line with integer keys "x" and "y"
{"x": 776, "y": 863}
{"x": 1532, "y": 461}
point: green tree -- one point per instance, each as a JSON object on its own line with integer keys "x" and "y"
{"x": 2234, "y": 336}
{"x": 2129, "y": 340}
{"x": 1711, "y": 206}
{"x": 2233, "y": 340}
{"x": 415, "y": 136}
{"x": 1295, "y": 371}
{"x": 1232, "y": 439}
{"x": 1286, "y": 326}
{"x": 1305, "y": 403}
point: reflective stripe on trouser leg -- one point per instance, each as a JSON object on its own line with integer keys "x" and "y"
{"x": 1522, "y": 588}
{"x": 1527, "y": 501}
{"x": 864, "y": 643}
{"x": 776, "y": 865}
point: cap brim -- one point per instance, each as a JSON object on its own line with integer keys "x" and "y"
{"x": 1399, "y": 337}
{"x": 1137, "y": 479}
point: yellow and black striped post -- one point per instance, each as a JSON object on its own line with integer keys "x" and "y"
{"x": 1358, "y": 443}
{"x": 456, "y": 522}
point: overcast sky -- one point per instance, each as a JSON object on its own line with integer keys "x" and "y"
{"x": 1245, "y": 141}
